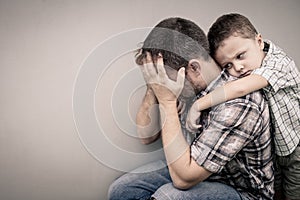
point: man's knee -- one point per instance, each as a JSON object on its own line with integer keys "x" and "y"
{"x": 120, "y": 188}
{"x": 127, "y": 187}
{"x": 167, "y": 191}
{"x": 114, "y": 191}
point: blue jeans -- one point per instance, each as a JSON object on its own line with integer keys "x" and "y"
{"x": 158, "y": 184}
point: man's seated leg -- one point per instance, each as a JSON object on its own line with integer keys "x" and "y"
{"x": 141, "y": 183}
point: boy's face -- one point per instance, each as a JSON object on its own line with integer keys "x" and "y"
{"x": 240, "y": 56}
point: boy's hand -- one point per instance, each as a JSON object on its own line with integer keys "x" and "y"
{"x": 165, "y": 89}
{"x": 192, "y": 118}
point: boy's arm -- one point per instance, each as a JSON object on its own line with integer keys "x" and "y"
{"x": 232, "y": 90}
{"x": 147, "y": 118}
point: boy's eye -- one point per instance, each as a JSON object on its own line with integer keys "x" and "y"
{"x": 240, "y": 56}
{"x": 227, "y": 66}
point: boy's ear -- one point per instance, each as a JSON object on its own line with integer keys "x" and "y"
{"x": 260, "y": 40}
{"x": 194, "y": 66}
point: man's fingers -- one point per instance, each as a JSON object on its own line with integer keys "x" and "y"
{"x": 149, "y": 65}
{"x": 160, "y": 67}
{"x": 148, "y": 57}
{"x": 144, "y": 69}
{"x": 181, "y": 76}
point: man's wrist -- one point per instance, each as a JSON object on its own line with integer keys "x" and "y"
{"x": 150, "y": 97}
{"x": 168, "y": 104}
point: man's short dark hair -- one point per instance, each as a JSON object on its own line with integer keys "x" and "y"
{"x": 178, "y": 40}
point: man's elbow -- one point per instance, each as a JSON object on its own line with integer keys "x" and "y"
{"x": 187, "y": 180}
{"x": 184, "y": 182}
{"x": 183, "y": 185}
{"x": 149, "y": 140}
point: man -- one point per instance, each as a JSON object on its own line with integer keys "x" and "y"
{"x": 230, "y": 158}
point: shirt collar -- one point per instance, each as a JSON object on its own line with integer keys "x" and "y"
{"x": 273, "y": 50}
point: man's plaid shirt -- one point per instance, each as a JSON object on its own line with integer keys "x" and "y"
{"x": 235, "y": 143}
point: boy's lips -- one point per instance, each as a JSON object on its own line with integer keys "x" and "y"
{"x": 245, "y": 74}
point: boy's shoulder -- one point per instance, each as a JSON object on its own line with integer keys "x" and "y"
{"x": 276, "y": 54}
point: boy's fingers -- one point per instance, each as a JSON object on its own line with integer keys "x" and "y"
{"x": 193, "y": 128}
{"x": 196, "y": 126}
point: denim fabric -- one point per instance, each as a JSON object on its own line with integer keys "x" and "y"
{"x": 203, "y": 191}
{"x": 158, "y": 184}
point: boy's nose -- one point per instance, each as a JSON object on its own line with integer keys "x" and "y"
{"x": 238, "y": 67}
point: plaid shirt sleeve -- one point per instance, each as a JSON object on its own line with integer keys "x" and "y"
{"x": 279, "y": 74}
{"x": 283, "y": 93}
{"x": 230, "y": 127}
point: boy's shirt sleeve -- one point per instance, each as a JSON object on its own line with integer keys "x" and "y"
{"x": 278, "y": 69}
{"x": 278, "y": 75}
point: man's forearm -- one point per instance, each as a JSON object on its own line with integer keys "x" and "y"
{"x": 174, "y": 143}
{"x": 147, "y": 119}
{"x": 184, "y": 171}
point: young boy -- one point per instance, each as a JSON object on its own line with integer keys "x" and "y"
{"x": 240, "y": 50}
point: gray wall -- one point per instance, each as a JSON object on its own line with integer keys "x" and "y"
{"x": 66, "y": 136}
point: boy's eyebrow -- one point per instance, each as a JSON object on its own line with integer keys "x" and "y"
{"x": 221, "y": 61}
{"x": 224, "y": 59}
{"x": 238, "y": 52}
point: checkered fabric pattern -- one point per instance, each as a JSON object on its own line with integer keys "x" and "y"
{"x": 283, "y": 94}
